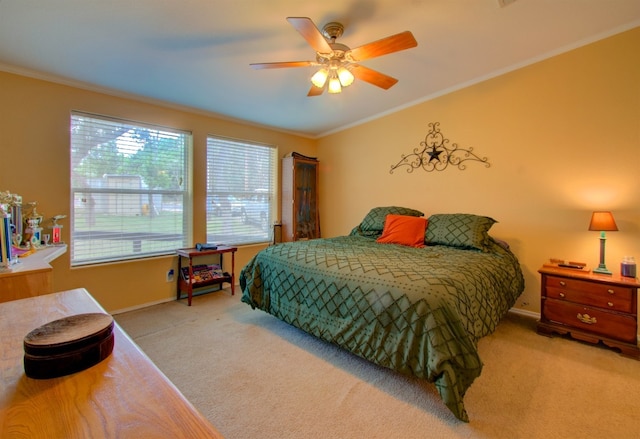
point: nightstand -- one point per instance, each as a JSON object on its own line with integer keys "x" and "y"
{"x": 590, "y": 307}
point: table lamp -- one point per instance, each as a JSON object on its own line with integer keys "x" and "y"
{"x": 602, "y": 221}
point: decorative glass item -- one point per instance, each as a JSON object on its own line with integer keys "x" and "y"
{"x": 16, "y": 219}
{"x": 12, "y": 205}
{"x": 628, "y": 267}
{"x": 32, "y": 231}
{"x": 56, "y": 229}
{"x": 5, "y": 237}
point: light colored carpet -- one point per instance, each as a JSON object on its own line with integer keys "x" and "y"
{"x": 253, "y": 376}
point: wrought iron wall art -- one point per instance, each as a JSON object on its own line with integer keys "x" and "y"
{"x": 436, "y": 155}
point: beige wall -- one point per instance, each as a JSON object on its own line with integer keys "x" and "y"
{"x": 562, "y": 137}
{"x": 34, "y": 146}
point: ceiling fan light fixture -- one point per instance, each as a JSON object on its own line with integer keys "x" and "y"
{"x": 319, "y": 78}
{"x": 334, "y": 85}
{"x": 345, "y": 76}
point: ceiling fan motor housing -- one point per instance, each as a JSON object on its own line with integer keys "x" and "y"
{"x": 337, "y": 54}
{"x": 333, "y": 30}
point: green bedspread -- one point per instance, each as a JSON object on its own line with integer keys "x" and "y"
{"x": 419, "y": 311}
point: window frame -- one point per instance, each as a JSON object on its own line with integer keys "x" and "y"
{"x": 112, "y": 245}
{"x": 245, "y": 192}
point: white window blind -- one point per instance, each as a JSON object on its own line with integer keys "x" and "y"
{"x": 241, "y": 191}
{"x": 129, "y": 186}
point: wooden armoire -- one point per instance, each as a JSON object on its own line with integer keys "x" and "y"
{"x": 300, "y": 214}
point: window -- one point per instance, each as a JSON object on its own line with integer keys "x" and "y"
{"x": 241, "y": 191}
{"x": 129, "y": 186}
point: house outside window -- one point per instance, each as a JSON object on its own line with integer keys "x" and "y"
{"x": 129, "y": 190}
{"x": 241, "y": 191}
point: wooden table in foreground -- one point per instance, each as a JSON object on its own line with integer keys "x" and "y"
{"x": 124, "y": 396}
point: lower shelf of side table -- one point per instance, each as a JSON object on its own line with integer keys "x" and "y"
{"x": 199, "y": 288}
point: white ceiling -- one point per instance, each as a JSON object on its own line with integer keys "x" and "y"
{"x": 196, "y": 53}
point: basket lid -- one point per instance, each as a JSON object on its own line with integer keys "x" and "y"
{"x": 68, "y": 334}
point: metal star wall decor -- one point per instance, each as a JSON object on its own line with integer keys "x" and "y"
{"x": 436, "y": 155}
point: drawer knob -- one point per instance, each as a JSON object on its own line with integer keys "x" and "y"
{"x": 610, "y": 303}
{"x": 611, "y": 291}
{"x": 586, "y": 318}
{"x": 563, "y": 283}
{"x": 562, "y": 295}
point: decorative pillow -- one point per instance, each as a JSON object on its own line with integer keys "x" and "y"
{"x": 404, "y": 230}
{"x": 459, "y": 230}
{"x": 373, "y": 223}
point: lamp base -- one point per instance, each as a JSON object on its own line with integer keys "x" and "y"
{"x": 602, "y": 269}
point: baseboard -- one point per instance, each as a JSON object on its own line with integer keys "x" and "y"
{"x": 525, "y": 313}
{"x": 141, "y": 306}
{"x": 157, "y": 302}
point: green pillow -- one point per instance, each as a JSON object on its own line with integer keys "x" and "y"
{"x": 373, "y": 223}
{"x": 462, "y": 230}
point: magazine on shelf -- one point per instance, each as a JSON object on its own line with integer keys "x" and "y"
{"x": 202, "y": 273}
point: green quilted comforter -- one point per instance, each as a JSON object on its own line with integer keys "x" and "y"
{"x": 419, "y": 311}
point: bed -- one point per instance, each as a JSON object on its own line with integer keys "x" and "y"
{"x": 414, "y": 305}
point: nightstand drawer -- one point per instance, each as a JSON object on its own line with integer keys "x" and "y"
{"x": 610, "y": 324}
{"x": 591, "y": 287}
{"x": 618, "y": 301}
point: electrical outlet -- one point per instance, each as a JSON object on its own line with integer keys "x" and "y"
{"x": 170, "y": 275}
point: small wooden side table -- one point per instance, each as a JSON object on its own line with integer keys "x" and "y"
{"x": 191, "y": 254}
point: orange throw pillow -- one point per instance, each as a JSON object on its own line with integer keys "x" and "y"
{"x": 403, "y": 230}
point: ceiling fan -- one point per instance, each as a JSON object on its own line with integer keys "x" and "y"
{"x": 339, "y": 64}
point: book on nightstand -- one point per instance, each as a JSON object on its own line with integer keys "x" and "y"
{"x": 571, "y": 265}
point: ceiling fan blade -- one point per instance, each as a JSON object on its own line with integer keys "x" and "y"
{"x": 394, "y": 43}
{"x": 315, "y": 91}
{"x": 279, "y": 65}
{"x": 310, "y": 33}
{"x": 373, "y": 77}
